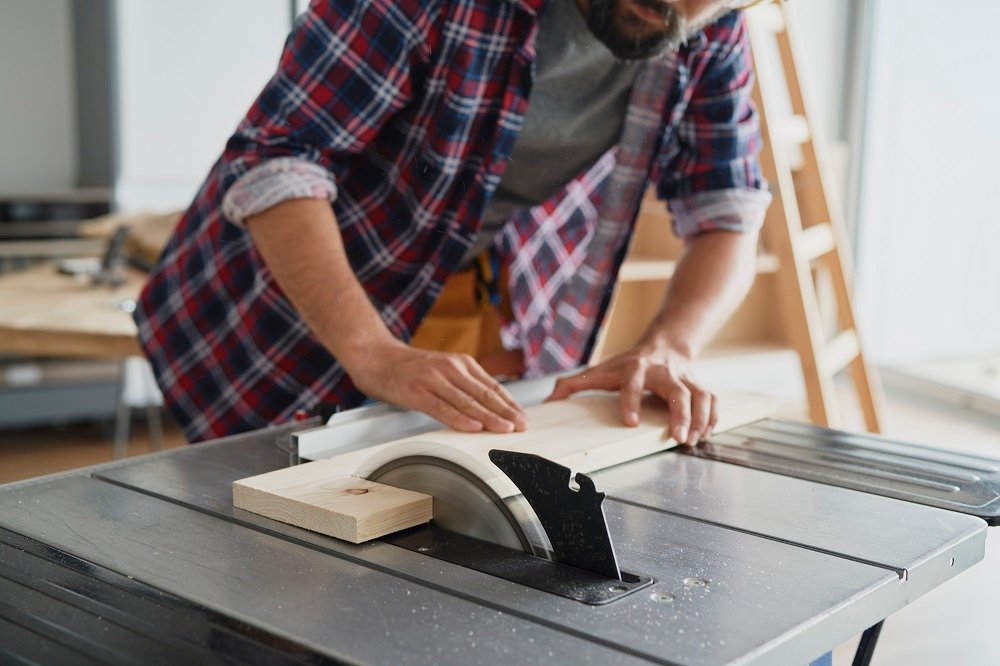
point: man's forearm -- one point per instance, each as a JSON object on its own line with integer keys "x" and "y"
{"x": 712, "y": 277}
{"x": 302, "y": 247}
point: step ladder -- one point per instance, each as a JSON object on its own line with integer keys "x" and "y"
{"x": 804, "y": 230}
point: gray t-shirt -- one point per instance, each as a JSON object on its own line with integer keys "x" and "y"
{"x": 576, "y": 112}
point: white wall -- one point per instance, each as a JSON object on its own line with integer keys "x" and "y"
{"x": 188, "y": 70}
{"x": 822, "y": 31}
{"x": 37, "y": 103}
{"x": 929, "y": 266}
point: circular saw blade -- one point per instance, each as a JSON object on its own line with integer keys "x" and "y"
{"x": 465, "y": 504}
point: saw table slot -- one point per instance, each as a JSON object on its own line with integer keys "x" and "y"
{"x": 518, "y": 567}
{"x": 942, "y": 479}
{"x": 843, "y": 523}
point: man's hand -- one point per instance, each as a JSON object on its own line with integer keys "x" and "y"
{"x": 693, "y": 410}
{"x": 712, "y": 276}
{"x": 452, "y": 388}
{"x": 302, "y": 247}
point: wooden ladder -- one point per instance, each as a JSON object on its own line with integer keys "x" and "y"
{"x": 804, "y": 229}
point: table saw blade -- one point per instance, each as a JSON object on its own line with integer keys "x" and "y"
{"x": 465, "y": 504}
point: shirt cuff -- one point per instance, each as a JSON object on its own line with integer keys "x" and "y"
{"x": 737, "y": 209}
{"x": 273, "y": 182}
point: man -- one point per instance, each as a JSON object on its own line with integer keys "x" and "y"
{"x": 395, "y": 150}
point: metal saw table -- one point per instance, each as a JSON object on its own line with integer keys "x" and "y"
{"x": 147, "y": 560}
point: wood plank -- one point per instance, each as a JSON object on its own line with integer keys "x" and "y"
{"x": 816, "y": 241}
{"x": 346, "y": 508}
{"x": 51, "y": 248}
{"x": 584, "y": 433}
{"x": 840, "y": 352}
{"x": 640, "y": 268}
{"x": 45, "y": 313}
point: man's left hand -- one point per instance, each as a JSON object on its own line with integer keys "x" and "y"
{"x": 693, "y": 410}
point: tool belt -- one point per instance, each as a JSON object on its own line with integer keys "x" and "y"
{"x": 466, "y": 318}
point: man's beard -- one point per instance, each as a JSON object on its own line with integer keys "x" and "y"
{"x": 626, "y": 37}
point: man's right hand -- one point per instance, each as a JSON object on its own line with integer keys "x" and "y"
{"x": 301, "y": 245}
{"x": 452, "y": 388}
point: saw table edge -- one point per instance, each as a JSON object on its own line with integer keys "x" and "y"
{"x": 332, "y": 496}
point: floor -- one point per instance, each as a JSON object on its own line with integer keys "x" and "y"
{"x": 29, "y": 452}
{"x": 954, "y": 624}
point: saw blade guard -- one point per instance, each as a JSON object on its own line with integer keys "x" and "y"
{"x": 465, "y": 503}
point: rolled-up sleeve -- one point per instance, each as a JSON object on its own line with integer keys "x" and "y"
{"x": 273, "y": 182}
{"x": 719, "y": 210}
{"x": 711, "y": 177}
{"x": 343, "y": 74}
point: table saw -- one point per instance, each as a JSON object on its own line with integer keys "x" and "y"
{"x": 768, "y": 544}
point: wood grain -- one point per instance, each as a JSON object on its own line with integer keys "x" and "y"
{"x": 347, "y": 508}
{"x": 45, "y": 313}
{"x": 584, "y": 433}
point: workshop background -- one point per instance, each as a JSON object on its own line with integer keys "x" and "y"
{"x": 122, "y": 107}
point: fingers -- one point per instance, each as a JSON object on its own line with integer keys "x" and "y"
{"x": 679, "y": 399}
{"x": 713, "y": 419}
{"x": 472, "y": 408}
{"x": 440, "y": 409}
{"x": 496, "y": 397}
{"x": 584, "y": 381}
{"x": 452, "y": 388}
{"x": 693, "y": 410}
{"x": 467, "y": 389}
{"x": 632, "y": 387}
{"x": 701, "y": 413}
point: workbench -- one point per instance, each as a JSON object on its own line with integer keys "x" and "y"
{"x": 147, "y": 560}
{"x": 46, "y": 313}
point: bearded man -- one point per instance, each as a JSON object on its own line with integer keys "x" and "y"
{"x": 431, "y": 194}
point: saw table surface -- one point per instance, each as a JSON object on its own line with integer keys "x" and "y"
{"x": 149, "y": 557}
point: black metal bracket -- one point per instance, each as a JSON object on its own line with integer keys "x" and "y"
{"x": 573, "y": 518}
{"x": 110, "y": 272}
{"x": 866, "y": 647}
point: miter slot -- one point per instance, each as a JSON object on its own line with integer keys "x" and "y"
{"x": 518, "y": 567}
{"x": 943, "y": 479}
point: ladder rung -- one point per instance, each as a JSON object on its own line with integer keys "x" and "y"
{"x": 815, "y": 241}
{"x": 839, "y": 352}
{"x": 795, "y": 130}
{"x": 789, "y": 161}
{"x": 768, "y": 17}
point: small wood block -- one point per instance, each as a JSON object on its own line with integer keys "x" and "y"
{"x": 344, "y": 507}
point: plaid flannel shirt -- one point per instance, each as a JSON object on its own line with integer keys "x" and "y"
{"x": 402, "y": 113}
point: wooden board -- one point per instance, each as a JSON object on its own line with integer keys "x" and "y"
{"x": 584, "y": 433}
{"x": 346, "y": 507}
{"x": 46, "y": 313}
